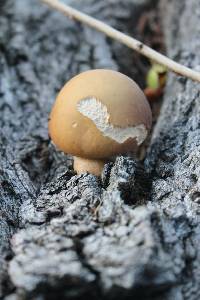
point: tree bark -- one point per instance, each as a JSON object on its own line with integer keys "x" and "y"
{"x": 135, "y": 232}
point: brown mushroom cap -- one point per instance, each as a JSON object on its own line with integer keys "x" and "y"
{"x": 73, "y": 124}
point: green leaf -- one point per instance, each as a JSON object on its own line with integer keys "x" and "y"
{"x": 159, "y": 68}
{"x": 152, "y": 79}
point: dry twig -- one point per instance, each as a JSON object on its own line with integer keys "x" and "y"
{"x": 124, "y": 39}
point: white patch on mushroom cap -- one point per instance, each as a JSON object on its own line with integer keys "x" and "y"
{"x": 97, "y": 112}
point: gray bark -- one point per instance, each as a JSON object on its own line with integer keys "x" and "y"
{"x": 134, "y": 233}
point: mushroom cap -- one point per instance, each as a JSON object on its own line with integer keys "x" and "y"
{"x": 99, "y": 114}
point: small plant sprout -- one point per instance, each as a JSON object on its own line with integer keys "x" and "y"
{"x": 97, "y": 115}
{"x": 155, "y": 80}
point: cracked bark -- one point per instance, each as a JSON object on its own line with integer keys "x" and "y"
{"x": 135, "y": 232}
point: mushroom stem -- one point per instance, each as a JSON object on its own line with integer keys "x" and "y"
{"x": 83, "y": 165}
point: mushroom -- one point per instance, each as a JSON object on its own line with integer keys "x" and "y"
{"x": 97, "y": 115}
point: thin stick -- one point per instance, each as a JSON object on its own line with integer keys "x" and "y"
{"x": 124, "y": 39}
